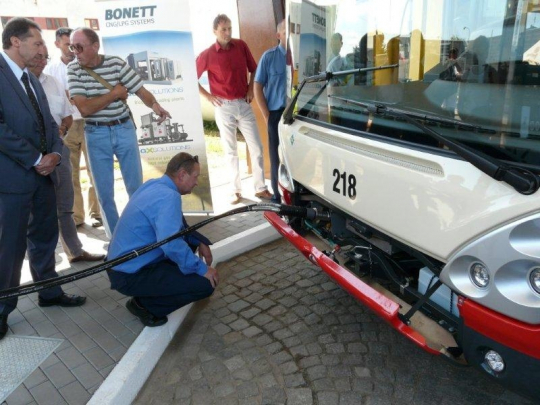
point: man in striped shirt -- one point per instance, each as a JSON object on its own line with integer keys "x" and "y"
{"x": 109, "y": 129}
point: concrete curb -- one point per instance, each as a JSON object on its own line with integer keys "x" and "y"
{"x": 127, "y": 378}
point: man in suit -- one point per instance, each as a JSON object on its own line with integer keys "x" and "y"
{"x": 30, "y": 150}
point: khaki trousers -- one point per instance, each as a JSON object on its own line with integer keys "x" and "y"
{"x": 74, "y": 140}
{"x": 233, "y": 114}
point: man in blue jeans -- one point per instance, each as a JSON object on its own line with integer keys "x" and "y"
{"x": 270, "y": 93}
{"x": 171, "y": 276}
{"x": 109, "y": 129}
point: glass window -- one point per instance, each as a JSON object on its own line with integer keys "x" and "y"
{"x": 92, "y": 23}
{"x": 472, "y": 66}
{"x": 55, "y": 23}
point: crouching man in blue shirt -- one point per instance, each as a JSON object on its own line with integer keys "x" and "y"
{"x": 171, "y": 276}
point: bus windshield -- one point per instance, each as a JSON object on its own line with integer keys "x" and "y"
{"x": 470, "y": 61}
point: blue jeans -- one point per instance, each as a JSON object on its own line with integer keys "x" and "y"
{"x": 103, "y": 143}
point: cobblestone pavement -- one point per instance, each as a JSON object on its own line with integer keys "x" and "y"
{"x": 96, "y": 335}
{"x": 278, "y": 330}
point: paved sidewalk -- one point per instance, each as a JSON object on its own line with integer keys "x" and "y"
{"x": 96, "y": 335}
{"x": 278, "y": 330}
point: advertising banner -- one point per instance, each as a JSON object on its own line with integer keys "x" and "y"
{"x": 312, "y": 60}
{"x": 155, "y": 39}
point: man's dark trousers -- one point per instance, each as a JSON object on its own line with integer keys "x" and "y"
{"x": 273, "y": 146}
{"x": 161, "y": 287}
{"x": 28, "y": 218}
{"x": 27, "y": 200}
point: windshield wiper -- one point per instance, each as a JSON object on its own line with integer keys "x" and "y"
{"x": 522, "y": 180}
{"x": 322, "y": 77}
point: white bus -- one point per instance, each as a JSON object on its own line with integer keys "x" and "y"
{"x": 423, "y": 149}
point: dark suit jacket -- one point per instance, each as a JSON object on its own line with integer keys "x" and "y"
{"x": 19, "y": 132}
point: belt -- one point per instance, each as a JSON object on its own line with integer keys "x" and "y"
{"x": 229, "y": 101}
{"x": 108, "y": 123}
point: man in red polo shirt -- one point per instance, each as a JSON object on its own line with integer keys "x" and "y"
{"x": 227, "y": 62}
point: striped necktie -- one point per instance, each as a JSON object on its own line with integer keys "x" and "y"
{"x": 34, "y": 102}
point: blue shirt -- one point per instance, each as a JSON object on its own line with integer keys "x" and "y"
{"x": 272, "y": 75}
{"x": 153, "y": 213}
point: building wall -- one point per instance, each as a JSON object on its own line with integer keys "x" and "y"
{"x": 75, "y": 11}
{"x": 258, "y": 20}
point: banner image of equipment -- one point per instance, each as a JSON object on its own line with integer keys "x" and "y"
{"x": 153, "y": 68}
{"x": 155, "y": 40}
{"x": 153, "y": 132}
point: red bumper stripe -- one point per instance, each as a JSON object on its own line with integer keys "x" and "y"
{"x": 507, "y": 331}
{"x": 384, "y": 307}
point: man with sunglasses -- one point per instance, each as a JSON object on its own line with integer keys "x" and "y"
{"x": 74, "y": 138}
{"x": 171, "y": 276}
{"x": 99, "y": 85}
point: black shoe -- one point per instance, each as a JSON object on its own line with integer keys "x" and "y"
{"x": 3, "y": 326}
{"x": 64, "y": 300}
{"x": 87, "y": 257}
{"x": 96, "y": 222}
{"x": 147, "y": 318}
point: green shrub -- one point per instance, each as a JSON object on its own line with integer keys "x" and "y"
{"x": 210, "y": 128}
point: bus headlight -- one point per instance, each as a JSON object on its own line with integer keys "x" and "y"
{"x": 534, "y": 279}
{"x": 479, "y": 275}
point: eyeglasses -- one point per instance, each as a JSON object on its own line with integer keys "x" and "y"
{"x": 190, "y": 159}
{"x": 174, "y": 166}
{"x": 193, "y": 158}
{"x": 45, "y": 59}
{"x": 76, "y": 47}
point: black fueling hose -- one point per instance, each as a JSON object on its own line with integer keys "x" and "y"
{"x": 289, "y": 210}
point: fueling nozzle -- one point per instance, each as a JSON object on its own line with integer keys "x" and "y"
{"x": 304, "y": 212}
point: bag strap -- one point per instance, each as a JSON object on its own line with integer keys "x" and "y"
{"x": 108, "y": 86}
{"x": 100, "y": 79}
